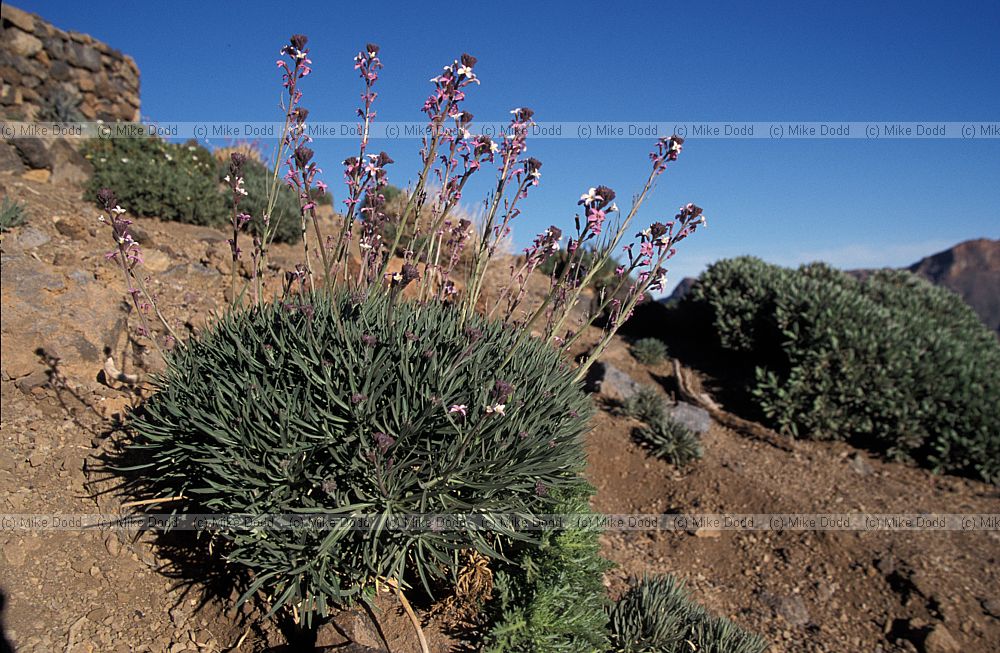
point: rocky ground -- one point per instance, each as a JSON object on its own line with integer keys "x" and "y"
{"x": 79, "y": 591}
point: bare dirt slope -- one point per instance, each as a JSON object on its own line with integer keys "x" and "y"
{"x": 805, "y": 591}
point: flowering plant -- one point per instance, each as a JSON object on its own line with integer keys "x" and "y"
{"x": 390, "y": 385}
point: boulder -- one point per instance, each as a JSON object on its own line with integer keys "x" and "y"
{"x": 21, "y": 42}
{"x": 68, "y": 165}
{"x": 33, "y": 152}
{"x": 20, "y": 19}
{"x": 695, "y": 418}
{"x": 939, "y": 640}
{"x": 9, "y": 159}
{"x": 610, "y": 382}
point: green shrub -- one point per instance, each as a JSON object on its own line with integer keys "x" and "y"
{"x": 656, "y": 616}
{"x": 670, "y": 440}
{"x": 346, "y": 409}
{"x": 257, "y": 182}
{"x": 552, "y": 600}
{"x": 159, "y": 179}
{"x": 647, "y": 404}
{"x": 11, "y": 214}
{"x": 61, "y": 105}
{"x": 649, "y": 351}
{"x": 890, "y": 362}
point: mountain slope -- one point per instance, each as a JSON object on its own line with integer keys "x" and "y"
{"x": 972, "y": 270}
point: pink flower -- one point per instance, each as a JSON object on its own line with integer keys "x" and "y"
{"x": 459, "y": 408}
{"x": 595, "y": 220}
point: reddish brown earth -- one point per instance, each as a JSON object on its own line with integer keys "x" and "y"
{"x": 87, "y": 591}
{"x": 804, "y": 591}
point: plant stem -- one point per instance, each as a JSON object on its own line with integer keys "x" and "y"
{"x": 409, "y": 613}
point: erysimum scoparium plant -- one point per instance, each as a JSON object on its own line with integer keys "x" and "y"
{"x": 384, "y": 385}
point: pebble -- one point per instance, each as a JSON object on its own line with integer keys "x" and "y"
{"x": 113, "y": 545}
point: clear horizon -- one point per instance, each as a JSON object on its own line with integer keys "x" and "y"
{"x": 853, "y": 203}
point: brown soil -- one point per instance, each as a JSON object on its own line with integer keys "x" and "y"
{"x": 804, "y": 591}
{"x": 79, "y": 591}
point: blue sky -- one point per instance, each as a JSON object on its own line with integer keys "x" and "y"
{"x": 852, "y": 203}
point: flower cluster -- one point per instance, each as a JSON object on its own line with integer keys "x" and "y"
{"x": 128, "y": 255}
{"x": 363, "y": 173}
{"x": 127, "y": 250}
{"x": 235, "y": 181}
{"x": 443, "y": 102}
{"x": 521, "y": 173}
{"x": 597, "y": 203}
{"x": 667, "y": 149}
{"x": 656, "y": 246}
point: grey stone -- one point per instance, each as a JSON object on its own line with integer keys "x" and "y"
{"x": 84, "y": 56}
{"x": 610, "y": 382}
{"x": 792, "y": 609}
{"x": 33, "y": 152}
{"x": 9, "y": 159}
{"x": 694, "y": 418}
{"x": 30, "y": 238}
{"x": 59, "y": 71}
{"x": 56, "y": 47}
{"x": 81, "y": 278}
{"x": 34, "y": 380}
{"x": 68, "y": 165}
{"x": 861, "y": 465}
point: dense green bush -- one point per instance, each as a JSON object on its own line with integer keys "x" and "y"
{"x": 152, "y": 177}
{"x": 11, "y": 214}
{"x": 552, "y": 600}
{"x": 384, "y": 408}
{"x": 656, "y": 616}
{"x": 649, "y": 351}
{"x": 890, "y": 362}
{"x": 670, "y": 440}
{"x": 257, "y": 182}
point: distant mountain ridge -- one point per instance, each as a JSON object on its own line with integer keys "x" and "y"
{"x": 970, "y": 269}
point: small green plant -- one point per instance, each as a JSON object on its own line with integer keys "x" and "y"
{"x": 889, "y": 362}
{"x": 670, "y": 440}
{"x": 646, "y": 404}
{"x": 155, "y": 178}
{"x": 656, "y": 616}
{"x": 649, "y": 351}
{"x": 61, "y": 105}
{"x": 552, "y": 600}
{"x": 11, "y": 214}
